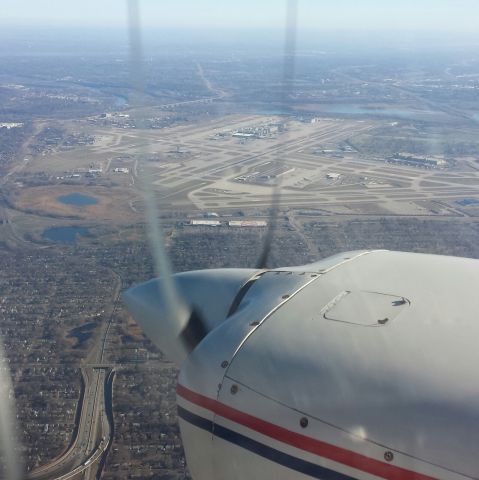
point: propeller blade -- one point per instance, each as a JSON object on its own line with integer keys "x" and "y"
{"x": 149, "y": 305}
{"x": 289, "y": 57}
{"x": 176, "y": 314}
{"x": 272, "y": 224}
{"x": 208, "y": 296}
{"x": 175, "y": 311}
{"x": 12, "y": 466}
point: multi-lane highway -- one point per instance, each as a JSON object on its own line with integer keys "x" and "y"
{"x": 93, "y": 433}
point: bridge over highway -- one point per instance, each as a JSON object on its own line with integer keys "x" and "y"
{"x": 93, "y": 433}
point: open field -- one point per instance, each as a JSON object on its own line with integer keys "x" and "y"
{"x": 111, "y": 203}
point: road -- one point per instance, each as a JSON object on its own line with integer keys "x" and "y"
{"x": 93, "y": 432}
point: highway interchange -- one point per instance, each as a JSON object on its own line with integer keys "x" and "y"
{"x": 93, "y": 434}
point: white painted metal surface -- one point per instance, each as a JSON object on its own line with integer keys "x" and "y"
{"x": 208, "y": 292}
{"x": 362, "y": 366}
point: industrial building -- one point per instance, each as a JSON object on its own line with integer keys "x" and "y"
{"x": 207, "y": 223}
{"x": 247, "y": 223}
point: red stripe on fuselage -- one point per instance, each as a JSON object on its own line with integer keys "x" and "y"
{"x": 302, "y": 442}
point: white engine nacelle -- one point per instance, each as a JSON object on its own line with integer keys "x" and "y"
{"x": 362, "y": 366}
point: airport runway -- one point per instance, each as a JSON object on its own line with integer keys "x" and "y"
{"x": 206, "y": 167}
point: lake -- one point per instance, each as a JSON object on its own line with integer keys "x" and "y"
{"x": 77, "y": 199}
{"x": 382, "y": 112}
{"x": 64, "y": 234}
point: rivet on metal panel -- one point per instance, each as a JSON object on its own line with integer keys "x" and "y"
{"x": 388, "y": 456}
{"x": 254, "y": 324}
{"x": 285, "y": 296}
{"x": 313, "y": 275}
{"x": 234, "y": 389}
{"x": 224, "y": 363}
{"x": 303, "y": 422}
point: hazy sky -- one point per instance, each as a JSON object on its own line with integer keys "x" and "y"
{"x": 444, "y": 15}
